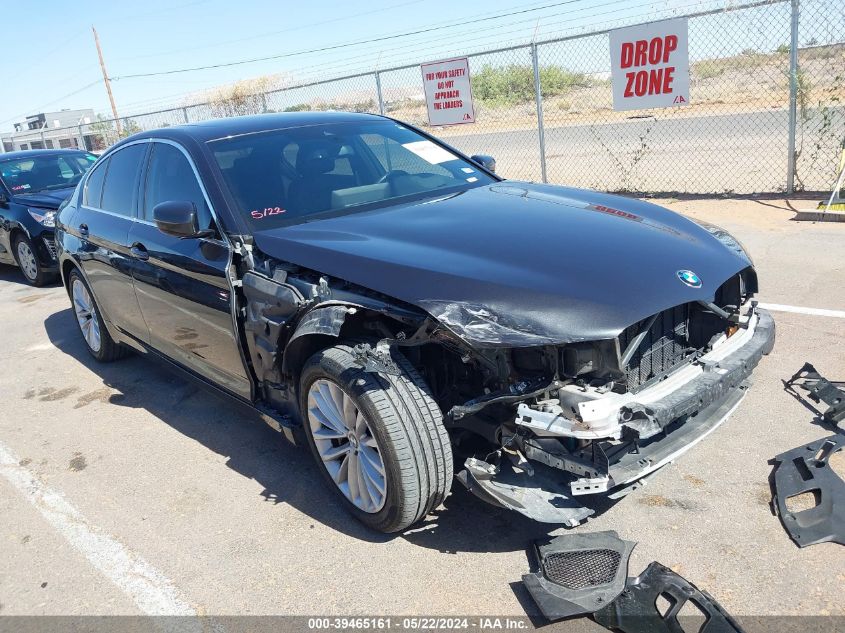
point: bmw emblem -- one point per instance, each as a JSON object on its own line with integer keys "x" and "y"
{"x": 689, "y": 278}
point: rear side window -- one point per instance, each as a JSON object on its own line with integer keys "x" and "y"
{"x": 121, "y": 187}
{"x": 94, "y": 186}
{"x": 170, "y": 178}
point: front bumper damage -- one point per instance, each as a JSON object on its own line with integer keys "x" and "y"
{"x": 631, "y": 435}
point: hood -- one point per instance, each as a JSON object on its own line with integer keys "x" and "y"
{"x": 44, "y": 199}
{"x": 518, "y": 264}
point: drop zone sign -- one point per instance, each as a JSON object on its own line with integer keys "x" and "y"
{"x": 650, "y": 65}
{"x": 448, "y": 95}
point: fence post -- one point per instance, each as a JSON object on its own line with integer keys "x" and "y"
{"x": 185, "y": 115}
{"x": 264, "y": 102}
{"x": 538, "y": 97}
{"x": 793, "y": 98}
{"x": 82, "y": 144}
{"x": 378, "y": 92}
{"x": 43, "y": 142}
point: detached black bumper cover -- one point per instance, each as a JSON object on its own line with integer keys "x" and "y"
{"x": 636, "y": 611}
{"x": 806, "y": 470}
{"x": 686, "y": 416}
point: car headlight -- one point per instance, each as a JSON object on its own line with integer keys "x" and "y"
{"x": 43, "y": 217}
{"x": 725, "y": 238}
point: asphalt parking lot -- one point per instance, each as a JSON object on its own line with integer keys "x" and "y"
{"x": 128, "y": 490}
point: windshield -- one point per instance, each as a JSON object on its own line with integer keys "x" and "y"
{"x": 299, "y": 174}
{"x": 44, "y": 173}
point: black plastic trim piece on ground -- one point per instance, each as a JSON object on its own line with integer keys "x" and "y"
{"x": 636, "y": 610}
{"x": 819, "y": 389}
{"x": 592, "y": 573}
{"x": 806, "y": 469}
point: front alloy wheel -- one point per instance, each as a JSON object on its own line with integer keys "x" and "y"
{"x": 379, "y": 439}
{"x": 28, "y": 262}
{"x": 346, "y": 446}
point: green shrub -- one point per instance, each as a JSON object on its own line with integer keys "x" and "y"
{"x": 299, "y": 107}
{"x": 514, "y": 84}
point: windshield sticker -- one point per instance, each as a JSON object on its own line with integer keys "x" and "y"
{"x": 468, "y": 170}
{"x": 473, "y": 179}
{"x": 430, "y": 152}
{"x": 258, "y": 214}
{"x": 21, "y": 187}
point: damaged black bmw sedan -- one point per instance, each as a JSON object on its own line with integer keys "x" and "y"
{"x": 410, "y": 314}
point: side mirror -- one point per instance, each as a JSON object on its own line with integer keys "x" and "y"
{"x": 488, "y": 162}
{"x": 4, "y": 199}
{"x": 177, "y": 218}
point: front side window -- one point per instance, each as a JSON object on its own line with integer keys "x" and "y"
{"x": 43, "y": 173}
{"x": 120, "y": 190}
{"x": 170, "y": 178}
{"x": 299, "y": 174}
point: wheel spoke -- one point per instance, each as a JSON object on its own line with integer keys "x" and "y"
{"x": 330, "y": 405}
{"x": 327, "y": 433}
{"x": 326, "y": 413}
{"x": 352, "y": 479}
{"x": 342, "y": 473}
{"x": 373, "y": 459}
{"x": 374, "y": 480}
{"x": 363, "y": 490}
{"x": 350, "y": 414}
{"x": 335, "y": 452}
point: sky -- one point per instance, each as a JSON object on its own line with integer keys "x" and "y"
{"x": 59, "y": 69}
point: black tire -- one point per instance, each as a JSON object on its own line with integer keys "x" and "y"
{"x": 33, "y": 272}
{"x": 405, "y": 422}
{"x": 108, "y": 349}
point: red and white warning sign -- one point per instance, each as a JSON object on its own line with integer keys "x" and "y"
{"x": 448, "y": 95}
{"x": 650, "y": 65}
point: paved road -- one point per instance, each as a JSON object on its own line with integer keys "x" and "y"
{"x": 126, "y": 490}
{"x": 741, "y": 152}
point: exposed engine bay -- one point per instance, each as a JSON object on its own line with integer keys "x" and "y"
{"x": 538, "y": 426}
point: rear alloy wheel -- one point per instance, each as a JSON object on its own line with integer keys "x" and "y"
{"x": 379, "y": 439}
{"x": 29, "y": 264}
{"x": 97, "y": 339}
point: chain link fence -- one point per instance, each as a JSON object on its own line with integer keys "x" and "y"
{"x": 545, "y": 110}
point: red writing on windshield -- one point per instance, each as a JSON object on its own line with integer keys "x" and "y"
{"x": 258, "y": 214}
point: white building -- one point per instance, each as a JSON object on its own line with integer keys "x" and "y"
{"x": 66, "y": 129}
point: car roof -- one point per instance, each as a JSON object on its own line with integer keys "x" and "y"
{"x": 235, "y": 126}
{"x": 29, "y": 153}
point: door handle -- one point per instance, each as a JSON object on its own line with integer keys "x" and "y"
{"x": 138, "y": 251}
{"x": 83, "y": 230}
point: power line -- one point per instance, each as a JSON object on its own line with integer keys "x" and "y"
{"x": 268, "y": 34}
{"x": 46, "y": 105}
{"x": 337, "y": 46}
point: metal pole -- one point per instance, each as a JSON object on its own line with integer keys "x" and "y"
{"x": 538, "y": 96}
{"x": 82, "y": 144}
{"x": 264, "y": 102}
{"x": 185, "y": 114}
{"x": 793, "y": 98}
{"x": 43, "y": 142}
{"x": 380, "y": 97}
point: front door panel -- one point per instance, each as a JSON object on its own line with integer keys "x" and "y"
{"x": 185, "y": 298}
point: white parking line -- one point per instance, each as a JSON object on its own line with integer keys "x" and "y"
{"x": 777, "y": 307}
{"x": 149, "y": 588}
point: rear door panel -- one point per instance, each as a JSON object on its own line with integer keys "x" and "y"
{"x": 104, "y": 252}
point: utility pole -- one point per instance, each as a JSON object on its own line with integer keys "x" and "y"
{"x": 106, "y": 80}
